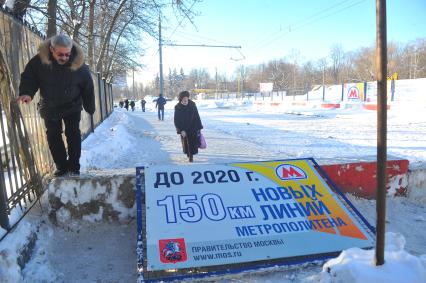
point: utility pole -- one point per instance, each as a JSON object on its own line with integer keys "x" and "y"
{"x": 216, "y": 84}
{"x": 381, "y": 72}
{"x": 242, "y": 76}
{"x": 133, "y": 85}
{"x": 160, "y": 51}
{"x": 238, "y": 84}
{"x": 323, "y": 82}
{"x": 161, "y": 44}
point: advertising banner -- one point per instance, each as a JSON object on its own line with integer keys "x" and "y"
{"x": 266, "y": 87}
{"x": 207, "y": 215}
{"x": 372, "y": 91}
{"x": 354, "y": 92}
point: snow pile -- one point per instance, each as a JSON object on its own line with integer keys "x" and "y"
{"x": 9, "y": 268}
{"x": 103, "y": 143}
{"x": 357, "y": 265}
{"x": 12, "y": 248}
{"x": 121, "y": 142}
{"x": 15, "y": 214}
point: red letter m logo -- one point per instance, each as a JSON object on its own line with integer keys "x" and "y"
{"x": 290, "y": 172}
{"x": 353, "y": 93}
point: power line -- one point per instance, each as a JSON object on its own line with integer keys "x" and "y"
{"x": 183, "y": 18}
{"x": 259, "y": 42}
{"x": 197, "y": 36}
{"x": 202, "y": 45}
{"x": 309, "y": 21}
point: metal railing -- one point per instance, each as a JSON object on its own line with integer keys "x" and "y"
{"x": 24, "y": 153}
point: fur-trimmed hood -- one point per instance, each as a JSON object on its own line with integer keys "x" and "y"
{"x": 76, "y": 60}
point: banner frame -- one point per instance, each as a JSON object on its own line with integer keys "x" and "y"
{"x": 235, "y": 268}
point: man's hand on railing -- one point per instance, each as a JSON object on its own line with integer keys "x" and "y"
{"x": 24, "y": 99}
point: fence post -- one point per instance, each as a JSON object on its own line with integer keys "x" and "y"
{"x": 323, "y": 92}
{"x": 92, "y": 124}
{"x": 4, "y": 219}
{"x": 111, "y": 97}
{"x": 111, "y": 104}
{"x": 392, "y": 89}
{"x": 105, "y": 97}
{"x": 365, "y": 91}
{"x": 343, "y": 91}
{"x": 98, "y": 78}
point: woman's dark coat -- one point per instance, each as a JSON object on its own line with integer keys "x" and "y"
{"x": 64, "y": 89}
{"x": 187, "y": 119}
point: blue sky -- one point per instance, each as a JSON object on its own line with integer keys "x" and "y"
{"x": 273, "y": 29}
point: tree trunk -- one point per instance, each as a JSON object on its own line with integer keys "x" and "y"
{"x": 51, "y": 22}
{"x": 105, "y": 42}
{"x": 76, "y": 32}
{"x": 90, "y": 34}
{"x": 111, "y": 57}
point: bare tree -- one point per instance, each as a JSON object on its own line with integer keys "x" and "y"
{"x": 336, "y": 56}
{"x": 51, "y": 17}
{"x": 421, "y": 49}
{"x": 364, "y": 64}
{"x": 294, "y": 57}
{"x": 105, "y": 38}
{"x": 322, "y": 64}
{"x": 73, "y": 17}
{"x": 280, "y": 74}
{"x": 113, "y": 28}
{"x": 90, "y": 38}
{"x": 308, "y": 74}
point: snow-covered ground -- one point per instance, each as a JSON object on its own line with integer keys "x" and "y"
{"x": 241, "y": 130}
{"x": 275, "y": 132}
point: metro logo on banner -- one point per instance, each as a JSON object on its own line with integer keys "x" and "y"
{"x": 290, "y": 172}
{"x": 353, "y": 93}
{"x": 252, "y": 214}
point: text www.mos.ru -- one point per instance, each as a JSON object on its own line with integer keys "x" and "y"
{"x": 217, "y": 256}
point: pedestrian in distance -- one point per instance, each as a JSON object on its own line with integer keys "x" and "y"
{"x": 66, "y": 86}
{"x": 143, "y": 102}
{"x": 121, "y": 103}
{"x": 126, "y": 104}
{"x": 161, "y": 101}
{"x": 188, "y": 124}
{"x": 132, "y": 105}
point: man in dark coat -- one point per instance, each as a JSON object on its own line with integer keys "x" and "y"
{"x": 66, "y": 86}
{"x": 126, "y": 104}
{"x": 143, "y": 102}
{"x": 188, "y": 124}
{"x": 161, "y": 101}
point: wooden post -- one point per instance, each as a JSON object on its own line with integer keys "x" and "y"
{"x": 381, "y": 71}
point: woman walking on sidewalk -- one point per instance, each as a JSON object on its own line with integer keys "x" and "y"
{"x": 188, "y": 124}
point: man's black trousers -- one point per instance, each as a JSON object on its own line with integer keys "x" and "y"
{"x": 57, "y": 146}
